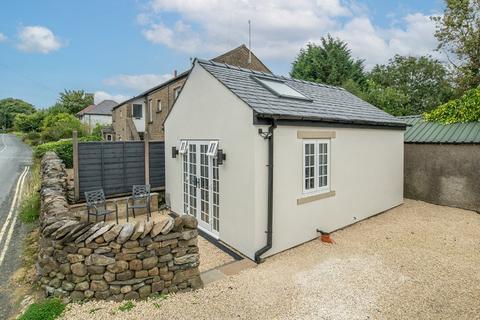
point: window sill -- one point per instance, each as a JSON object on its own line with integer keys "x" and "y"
{"x": 315, "y": 197}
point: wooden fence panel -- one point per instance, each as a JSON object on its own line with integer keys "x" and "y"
{"x": 157, "y": 164}
{"x": 116, "y": 166}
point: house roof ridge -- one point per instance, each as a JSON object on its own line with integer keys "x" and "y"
{"x": 267, "y": 75}
{"x": 146, "y": 92}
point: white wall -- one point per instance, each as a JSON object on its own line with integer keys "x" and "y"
{"x": 205, "y": 109}
{"x": 139, "y": 122}
{"x": 91, "y": 120}
{"x": 366, "y": 174}
{"x": 366, "y": 170}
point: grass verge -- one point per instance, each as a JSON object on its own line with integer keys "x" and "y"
{"x": 48, "y": 309}
{"x": 30, "y": 206}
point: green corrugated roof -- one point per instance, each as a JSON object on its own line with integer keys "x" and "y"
{"x": 420, "y": 131}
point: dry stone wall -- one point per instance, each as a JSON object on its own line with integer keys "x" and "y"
{"x": 103, "y": 260}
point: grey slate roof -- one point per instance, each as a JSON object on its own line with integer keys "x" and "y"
{"x": 103, "y": 108}
{"x": 327, "y": 104}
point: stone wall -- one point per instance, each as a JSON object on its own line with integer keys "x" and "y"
{"x": 103, "y": 260}
{"x": 445, "y": 174}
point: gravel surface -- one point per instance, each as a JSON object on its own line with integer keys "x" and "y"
{"x": 211, "y": 256}
{"x": 417, "y": 261}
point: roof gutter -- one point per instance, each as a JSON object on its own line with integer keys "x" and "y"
{"x": 281, "y": 118}
{"x": 268, "y": 246}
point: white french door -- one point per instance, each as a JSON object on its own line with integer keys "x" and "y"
{"x": 201, "y": 196}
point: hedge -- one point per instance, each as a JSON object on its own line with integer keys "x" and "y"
{"x": 464, "y": 109}
{"x": 63, "y": 148}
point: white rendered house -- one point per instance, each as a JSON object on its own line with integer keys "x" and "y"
{"x": 266, "y": 162}
{"x": 97, "y": 114}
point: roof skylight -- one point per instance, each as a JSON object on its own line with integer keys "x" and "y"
{"x": 281, "y": 88}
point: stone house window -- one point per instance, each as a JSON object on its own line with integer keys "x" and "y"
{"x": 176, "y": 92}
{"x": 137, "y": 111}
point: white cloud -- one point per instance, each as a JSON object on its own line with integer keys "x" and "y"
{"x": 417, "y": 38}
{"x": 102, "y": 95}
{"x": 137, "y": 82}
{"x": 3, "y": 37}
{"x": 281, "y": 27}
{"x": 38, "y": 39}
{"x": 377, "y": 45}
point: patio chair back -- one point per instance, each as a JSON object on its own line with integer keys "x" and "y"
{"x": 140, "y": 191}
{"x": 95, "y": 198}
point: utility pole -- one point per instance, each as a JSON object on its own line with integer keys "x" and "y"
{"x": 249, "y": 42}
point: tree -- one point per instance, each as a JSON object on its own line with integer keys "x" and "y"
{"x": 60, "y": 126}
{"x": 423, "y": 81}
{"x": 72, "y": 101}
{"x": 9, "y": 108}
{"x": 29, "y": 122}
{"x": 458, "y": 32}
{"x": 330, "y": 63}
{"x": 388, "y": 99}
{"x": 464, "y": 109}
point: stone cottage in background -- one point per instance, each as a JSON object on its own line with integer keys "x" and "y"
{"x": 145, "y": 113}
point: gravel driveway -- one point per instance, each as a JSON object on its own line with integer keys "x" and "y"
{"x": 417, "y": 261}
{"x": 211, "y": 256}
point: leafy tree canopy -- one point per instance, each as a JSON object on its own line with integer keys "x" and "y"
{"x": 423, "y": 81}
{"x": 458, "y": 32}
{"x": 29, "y": 122}
{"x": 464, "y": 109}
{"x": 330, "y": 63}
{"x": 389, "y": 99}
{"x": 9, "y": 108}
{"x": 72, "y": 101}
{"x": 60, "y": 126}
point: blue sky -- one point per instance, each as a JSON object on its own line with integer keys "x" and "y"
{"x": 117, "y": 48}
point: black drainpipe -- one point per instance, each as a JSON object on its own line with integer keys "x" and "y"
{"x": 268, "y": 246}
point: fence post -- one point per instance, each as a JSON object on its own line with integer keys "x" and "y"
{"x": 75, "y": 165}
{"x": 147, "y": 158}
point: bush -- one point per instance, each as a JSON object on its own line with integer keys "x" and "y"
{"x": 49, "y": 309}
{"x": 63, "y": 149}
{"x": 32, "y": 138}
{"x": 60, "y": 126}
{"x": 464, "y": 109}
{"x": 29, "y": 122}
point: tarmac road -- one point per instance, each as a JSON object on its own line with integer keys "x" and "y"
{"x": 15, "y": 158}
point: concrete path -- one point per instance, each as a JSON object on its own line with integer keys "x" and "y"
{"x": 15, "y": 157}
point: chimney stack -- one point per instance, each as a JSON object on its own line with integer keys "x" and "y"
{"x": 175, "y": 73}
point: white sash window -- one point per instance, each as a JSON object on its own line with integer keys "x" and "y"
{"x": 316, "y": 165}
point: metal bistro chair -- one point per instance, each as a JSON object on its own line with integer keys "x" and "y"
{"x": 97, "y": 205}
{"x": 140, "y": 200}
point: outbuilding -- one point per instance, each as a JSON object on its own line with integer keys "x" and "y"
{"x": 442, "y": 163}
{"x": 266, "y": 162}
